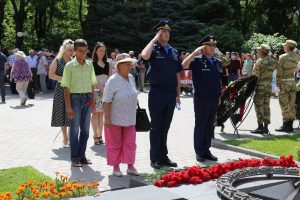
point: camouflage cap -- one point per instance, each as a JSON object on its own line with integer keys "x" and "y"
{"x": 264, "y": 47}
{"x": 290, "y": 43}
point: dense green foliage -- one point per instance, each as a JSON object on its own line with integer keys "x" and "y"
{"x": 126, "y": 24}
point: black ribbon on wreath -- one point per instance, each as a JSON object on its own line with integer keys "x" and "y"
{"x": 234, "y": 97}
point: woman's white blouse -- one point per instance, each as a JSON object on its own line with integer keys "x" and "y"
{"x": 122, "y": 95}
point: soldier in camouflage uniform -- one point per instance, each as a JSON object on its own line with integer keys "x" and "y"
{"x": 263, "y": 70}
{"x": 286, "y": 82}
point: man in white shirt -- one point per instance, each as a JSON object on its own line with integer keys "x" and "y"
{"x": 32, "y": 62}
{"x": 42, "y": 71}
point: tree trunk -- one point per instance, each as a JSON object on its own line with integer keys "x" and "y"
{"x": 80, "y": 14}
{"x": 20, "y": 15}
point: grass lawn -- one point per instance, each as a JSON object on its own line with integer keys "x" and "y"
{"x": 12, "y": 178}
{"x": 279, "y": 145}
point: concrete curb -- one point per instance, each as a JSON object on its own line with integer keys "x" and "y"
{"x": 219, "y": 144}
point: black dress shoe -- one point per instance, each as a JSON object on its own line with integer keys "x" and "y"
{"x": 156, "y": 164}
{"x": 168, "y": 163}
{"x": 211, "y": 157}
{"x": 200, "y": 158}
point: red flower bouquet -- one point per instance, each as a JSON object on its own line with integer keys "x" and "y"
{"x": 198, "y": 175}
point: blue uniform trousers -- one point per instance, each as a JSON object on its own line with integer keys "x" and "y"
{"x": 161, "y": 102}
{"x": 205, "y": 112}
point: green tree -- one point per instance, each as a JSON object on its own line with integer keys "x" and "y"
{"x": 274, "y": 41}
{"x": 2, "y": 9}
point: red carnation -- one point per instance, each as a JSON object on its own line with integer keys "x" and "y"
{"x": 172, "y": 184}
{"x": 195, "y": 180}
{"x": 159, "y": 183}
{"x": 89, "y": 103}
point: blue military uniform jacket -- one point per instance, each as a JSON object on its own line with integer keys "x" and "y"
{"x": 164, "y": 66}
{"x": 206, "y": 77}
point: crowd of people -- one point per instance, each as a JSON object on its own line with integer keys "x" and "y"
{"x": 103, "y": 91}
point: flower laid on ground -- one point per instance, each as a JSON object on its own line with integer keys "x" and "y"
{"x": 198, "y": 175}
{"x": 60, "y": 188}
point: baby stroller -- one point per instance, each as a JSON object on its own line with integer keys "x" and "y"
{"x": 186, "y": 82}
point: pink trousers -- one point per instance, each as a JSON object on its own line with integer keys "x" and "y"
{"x": 120, "y": 144}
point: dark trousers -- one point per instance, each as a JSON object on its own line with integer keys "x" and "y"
{"x": 2, "y": 85}
{"x": 35, "y": 80}
{"x": 161, "y": 104}
{"x": 80, "y": 121}
{"x": 205, "y": 112}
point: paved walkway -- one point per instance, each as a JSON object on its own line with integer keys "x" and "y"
{"x": 27, "y": 139}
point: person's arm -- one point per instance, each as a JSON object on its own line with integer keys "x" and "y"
{"x": 106, "y": 109}
{"x": 256, "y": 69}
{"x": 67, "y": 94}
{"x": 146, "y": 53}
{"x": 52, "y": 70}
{"x": 187, "y": 61}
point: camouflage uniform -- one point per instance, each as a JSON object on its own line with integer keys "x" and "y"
{"x": 263, "y": 69}
{"x": 286, "y": 82}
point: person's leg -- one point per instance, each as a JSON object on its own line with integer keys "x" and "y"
{"x": 201, "y": 120}
{"x": 266, "y": 106}
{"x": 35, "y": 79}
{"x": 292, "y": 100}
{"x": 100, "y": 125}
{"x": 95, "y": 125}
{"x": 129, "y": 145}
{"x": 156, "y": 108}
{"x": 259, "y": 106}
{"x": 166, "y": 123}
{"x": 64, "y": 131}
{"x": 113, "y": 136}
{"x": 2, "y": 86}
{"x": 74, "y": 128}
{"x": 213, "y": 106}
{"x": 84, "y": 125}
{"x": 43, "y": 83}
{"x": 283, "y": 102}
{"x": 19, "y": 88}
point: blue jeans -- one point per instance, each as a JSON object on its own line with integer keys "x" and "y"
{"x": 82, "y": 117}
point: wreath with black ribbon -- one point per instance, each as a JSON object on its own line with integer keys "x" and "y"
{"x": 235, "y": 96}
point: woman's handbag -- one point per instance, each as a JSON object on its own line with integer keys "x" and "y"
{"x": 142, "y": 120}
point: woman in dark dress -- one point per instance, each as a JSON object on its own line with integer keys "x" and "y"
{"x": 103, "y": 71}
{"x": 59, "y": 115}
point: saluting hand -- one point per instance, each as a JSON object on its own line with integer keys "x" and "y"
{"x": 199, "y": 49}
{"x": 157, "y": 36}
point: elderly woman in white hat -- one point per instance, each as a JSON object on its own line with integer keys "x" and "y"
{"x": 21, "y": 74}
{"x": 120, "y": 101}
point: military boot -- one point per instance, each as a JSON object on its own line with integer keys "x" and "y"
{"x": 259, "y": 130}
{"x": 290, "y": 126}
{"x": 266, "y": 130}
{"x": 284, "y": 127}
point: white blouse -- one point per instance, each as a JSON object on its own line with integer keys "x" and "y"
{"x": 122, "y": 95}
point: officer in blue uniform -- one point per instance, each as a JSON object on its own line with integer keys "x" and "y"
{"x": 207, "y": 74}
{"x": 163, "y": 74}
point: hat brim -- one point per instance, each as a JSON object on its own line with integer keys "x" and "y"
{"x": 125, "y": 60}
{"x": 23, "y": 56}
{"x": 204, "y": 43}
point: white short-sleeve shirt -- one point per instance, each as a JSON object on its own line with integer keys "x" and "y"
{"x": 122, "y": 95}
